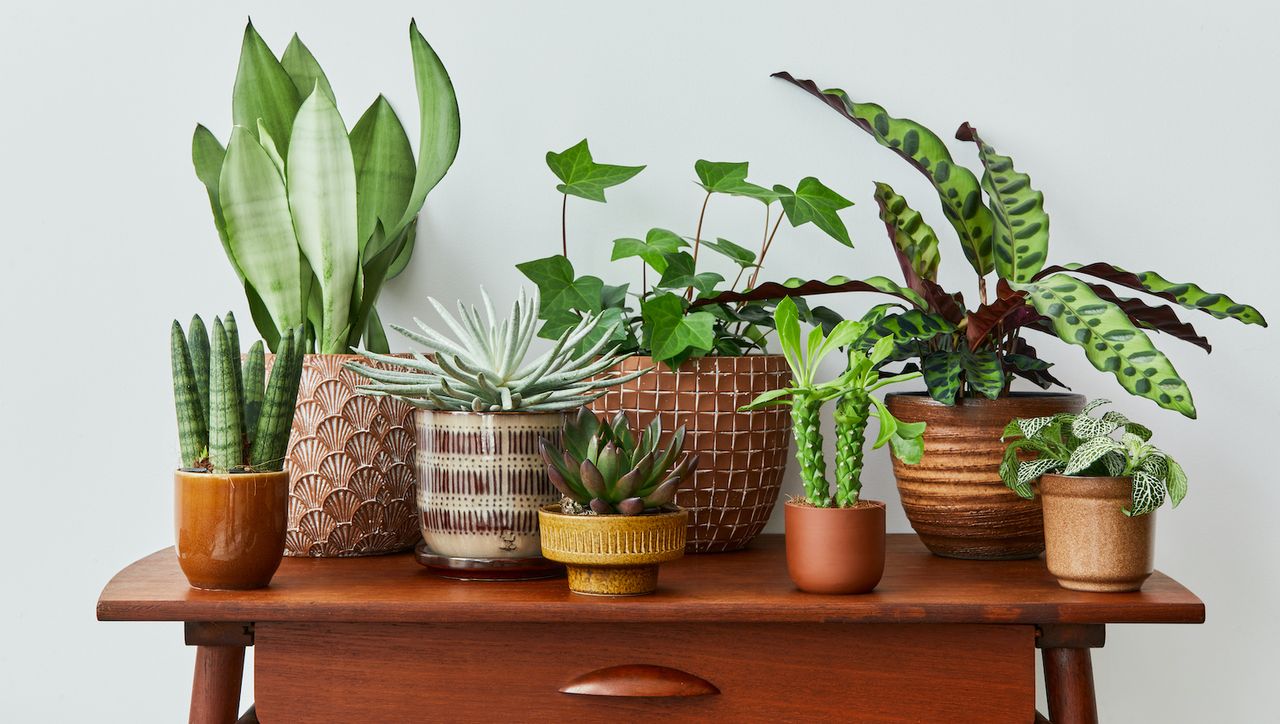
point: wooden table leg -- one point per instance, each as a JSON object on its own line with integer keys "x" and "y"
{"x": 215, "y": 688}
{"x": 1068, "y": 671}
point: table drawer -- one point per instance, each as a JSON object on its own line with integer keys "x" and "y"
{"x": 711, "y": 672}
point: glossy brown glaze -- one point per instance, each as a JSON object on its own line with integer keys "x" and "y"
{"x": 954, "y": 497}
{"x": 230, "y": 528}
{"x": 835, "y": 550}
{"x": 1091, "y": 545}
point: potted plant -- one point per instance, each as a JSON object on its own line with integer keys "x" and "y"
{"x": 481, "y": 411}
{"x": 969, "y": 357}
{"x": 616, "y": 522}
{"x": 230, "y": 493}
{"x": 314, "y": 219}
{"x": 835, "y": 544}
{"x": 1100, "y": 494}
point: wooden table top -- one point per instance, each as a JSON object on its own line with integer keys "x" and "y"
{"x": 746, "y": 586}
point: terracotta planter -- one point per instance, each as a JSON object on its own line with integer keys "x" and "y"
{"x": 613, "y": 555}
{"x": 350, "y": 462}
{"x": 743, "y": 454}
{"x": 1091, "y": 545}
{"x": 954, "y": 497}
{"x": 230, "y": 529}
{"x": 835, "y": 550}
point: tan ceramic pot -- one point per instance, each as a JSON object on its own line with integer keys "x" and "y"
{"x": 835, "y": 550}
{"x": 230, "y": 529}
{"x": 612, "y": 555}
{"x": 742, "y": 454}
{"x": 350, "y": 462}
{"x": 1090, "y": 544}
{"x": 954, "y": 497}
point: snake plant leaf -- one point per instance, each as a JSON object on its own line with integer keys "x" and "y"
{"x": 263, "y": 89}
{"x": 673, "y": 333}
{"x": 1110, "y": 341}
{"x": 260, "y": 228}
{"x": 957, "y": 187}
{"x": 253, "y": 373}
{"x": 410, "y": 234}
{"x": 1160, "y": 319}
{"x": 983, "y": 371}
{"x": 262, "y": 317}
{"x": 941, "y": 372}
{"x": 304, "y": 69}
{"x": 207, "y": 155}
{"x": 385, "y": 170}
{"x": 796, "y": 287}
{"x": 653, "y": 249}
{"x": 727, "y": 177}
{"x": 226, "y": 424}
{"x": 1021, "y": 235}
{"x": 374, "y": 273}
{"x": 680, "y": 273}
{"x": 439, "y": 123}
{"x": 914, "y": 241}
{"x": 812, "y": 202}
{"x": 581, "y": 176}
{"x": 322, "y": 197}
{"x": 1188, "y": 295}
{"x": 273, "y": 151}
{"x": 559, "y": 289}
{"x": 193, "y": 433}
{"x": 375, "y": 337}
{"x": 739, "y": 255}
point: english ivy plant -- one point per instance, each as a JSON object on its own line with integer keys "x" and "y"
{"x": 1003, "y": 229}
{"x": 1086, "y": 445}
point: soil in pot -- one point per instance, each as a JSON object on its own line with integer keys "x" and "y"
{"x": 835, "y": 550}
{"x": 230, "y": 528}
{"x": 1091, "y": 545}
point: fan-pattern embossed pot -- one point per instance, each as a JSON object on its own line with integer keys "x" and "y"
{"x": 352, "y": 486}
{"x": 742, "y": 454}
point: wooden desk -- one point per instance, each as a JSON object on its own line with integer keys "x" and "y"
{"x": 382, "y": 640}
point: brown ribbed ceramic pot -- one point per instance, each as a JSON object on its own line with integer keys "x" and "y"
{"x": 350, "y": 463}
{"x": 742, "y": 454}
{"x": 835, "y": 550}
{"x": 1090, "y": 544}
{"x": 229, "y": 529}
{"x": 954, "y": 497}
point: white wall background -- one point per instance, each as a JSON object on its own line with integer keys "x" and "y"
{"x": 1149, "y": 125}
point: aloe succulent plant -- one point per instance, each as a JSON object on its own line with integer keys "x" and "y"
{"x": 484, "y": 369}
{"x": 314, "y": 219}
{"x": 228, "y": 420}
{"x": 606, "y": 469}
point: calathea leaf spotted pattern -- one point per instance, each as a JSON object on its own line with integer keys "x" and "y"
{"x": 913, "y": 238}
{"x": 1186, "y": 294}
{"x": 1021, "y": 235}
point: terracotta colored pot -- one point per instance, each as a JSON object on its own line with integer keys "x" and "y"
{"x": 1091, "y": 545}
{"x": 743, "y": 454}
{"x": 351, "y": 480}
{"x": 613, "y": 555}
{"x": 482, "y": 481}
{"x": 835, "y": 550}
{"x": 954, "y": 497}
{"x": 230, "y": 528}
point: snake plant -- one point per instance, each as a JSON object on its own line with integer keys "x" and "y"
{"x": 855, "y": 405}
{"x": 228, "y": 421}
{"x": 962, "y": 352}
{"x": 606, "y": 469}
{"x": 314, "y": 218}
{"x": 484, "y": 368}
{"x": 1086, "y": 445}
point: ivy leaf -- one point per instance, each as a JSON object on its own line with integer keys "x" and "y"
{"x": 614, "y": 296}
{"x": 653, "y": 249}
{"x": 560, "y": 290}
{"x": 812, "y": 202}
{"x": 610, "y": 323}
{"x": 739, "y": 255}
{"x": 583, "y": 177}
{"x": 673, "y": 334}
{"x": 680, "y": 273}
{"x": 729, "y": 177}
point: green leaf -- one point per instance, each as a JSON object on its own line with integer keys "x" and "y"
{"x": 263, "y": 89}
{"x": 322, "y": 198}
{"x": 1021, "y": 236}
{"x": 679, "y": 273}
{"x": 410, "y": 235}
{"x": 812, "y": 202}
{"x": 439, "y": 125}
{"x": 730, "y": 178}
{"x": 797, "y": 287}
{"x": 913, "y": 325}
{"x": 983, "y": 372}
{"x": 1089, "y": 452}
{"x": 909, "y": 450}
{"x": 374, "y": 273}
{"x": 671, "y": 332}
{"x": 914, "y": 239}
{"x": 941, "y": 371}
{"x": 1187, "y": 294}
{"x": 1110, "y": 341}
{"x": 786, "y": 317}
{"x": 304, "y": 69}
{"x": 207, "y": 156}
{"x": 375, "y": 337}
{"x": 583, "y": 177}
{"x": 1176, "y": 482}
{"x": 653, "y": 249}
{"x": 561, "y": 292}
{"x": 765, "y": 399}
{"x": 384, "y": 170}
{"x": 739, "y": 255}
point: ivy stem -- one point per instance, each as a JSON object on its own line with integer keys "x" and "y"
{"x": 564, "y": 229}
{"x": 768, "y": 243}
{"x": 697, "y": 241}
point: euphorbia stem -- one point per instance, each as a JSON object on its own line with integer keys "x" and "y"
{"x": 697, "y": 241}
{"x": 806, "y": 427}
{"x": 851, "y": 428}
{"x": 564, "y": 229}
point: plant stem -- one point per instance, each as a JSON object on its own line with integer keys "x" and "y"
{"x": 564, "y": 229}
{"x": 806, "y": 427}
{"x": 697, "y": 241}
{"x": 851, "y": 427}
{"x": 764, "y": 248}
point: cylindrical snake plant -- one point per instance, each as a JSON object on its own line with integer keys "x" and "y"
{"x": 227, "y": 420}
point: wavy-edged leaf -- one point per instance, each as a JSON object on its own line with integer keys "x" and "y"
{"x": 384, "y": 171}
{"x": 581, "y": 176}
{"x": 982, "y": 371}
{"x": 1021, "y": 234}
{"x": 439, "y": 126}
{"x": 911, "y": 325}
{"x": 796, "y": 287}
{"x": 941, "y": 372}
{"x": 304, "y": 69}
{"x": 1024, "y": 362}
{"x": 914, "y": 241}
{"x": 207, "y": 155}
{"x": 990, "y": 316}
{"x": 1188, "y": 295}
{"x": 813, "y": 202}
{"x": 263, "y": 89}
{"x": 1160, "y": 319}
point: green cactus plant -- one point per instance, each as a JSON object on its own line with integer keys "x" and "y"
{"x": 228, "y": 419}
{"x": 606, "y": 469}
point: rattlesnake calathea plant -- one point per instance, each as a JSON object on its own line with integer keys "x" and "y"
{"x": 229, "y": 418}
{"x": 1003, "y": 230}
{"x": 606, "y": 469}
{"x": 485, "y": 370}
{"x": 855, "y": 406}
{"x": 1086, "y": 445}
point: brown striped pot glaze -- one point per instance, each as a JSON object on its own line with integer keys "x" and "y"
{"x": 954, "y": 497}
{"x": 229, "y": 528}
{"x": 1090, "y": 544}
{"x": 742, "y": 454}
{"x": 613, "y": 555}
{"x": 482, "y": 481}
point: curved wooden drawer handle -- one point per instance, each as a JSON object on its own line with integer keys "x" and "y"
{"x": 639, "y": 680}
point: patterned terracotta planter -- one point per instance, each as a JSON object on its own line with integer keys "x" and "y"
{"x": 351, "y": 480}
{"x": 743, "y": 454}
{"x": 613, "y": 555}
{"x": 482, "y": 481}
{"x": 954, "y": 497}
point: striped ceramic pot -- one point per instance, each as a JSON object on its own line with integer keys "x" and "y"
{"x": 481, "y": 481}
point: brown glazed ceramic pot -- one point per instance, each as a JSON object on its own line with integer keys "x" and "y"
{"x": 954, "y": 497}
{"x": 743, "y": 454}
{"x": 613, "y": 555}
{"x": 350, "y": 464}
{"x": 1090, "y": 544}
{"x": 230, "y": 528}
{"x": 835, "y": 550}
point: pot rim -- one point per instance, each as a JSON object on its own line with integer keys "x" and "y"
{"x": 553, "y": 509}
{"x": 694, "y": 360}
{"x": 871, "y": 504}
{"x": 496, "y": 413}
{"x": 231, "y": 476}
{"x": 923, "y": 397}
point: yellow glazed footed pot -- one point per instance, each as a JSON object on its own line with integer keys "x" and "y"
{"x": 612, "y": 555}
